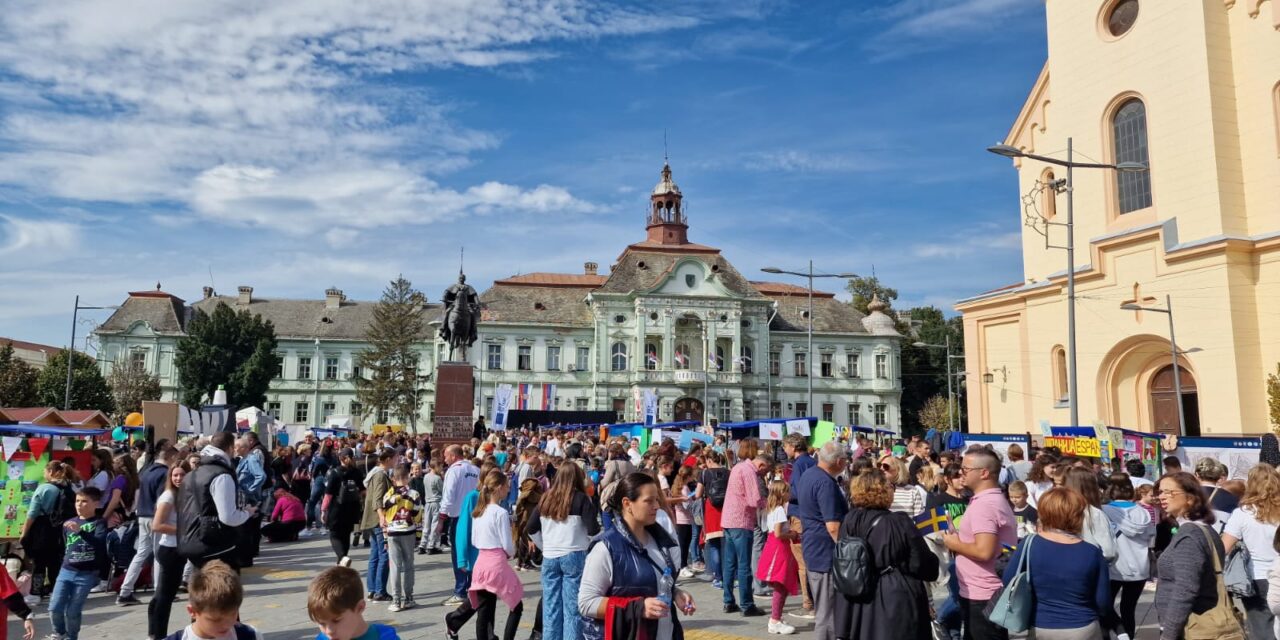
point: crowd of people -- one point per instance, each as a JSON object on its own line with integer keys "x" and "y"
{"x": 872, "y": 544}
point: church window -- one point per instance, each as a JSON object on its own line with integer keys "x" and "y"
{"x": 524, "y": 358}
{"x": 494, "y": 359}
{"x": 650, "y": 356}
{"x": 682, "y": 356}
{"x": 1060, "y": 392}
{"x": 1121, "y": 17}
{"x": 1129, "y": 132}
{"x": 745, "y": 360}
{"x": 619, "y": 356}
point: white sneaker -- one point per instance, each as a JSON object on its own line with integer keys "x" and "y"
{"x": 394, "y": 607}
{"x": 781, "y": 628}
{"x": 305, "y": 533}
{"x": 345, "y": 561}
{"x": 102, "y": 586}
{"x": 55, "y": 636}
{"x": 31, "y": 601}
{"x": 686, "y": 573}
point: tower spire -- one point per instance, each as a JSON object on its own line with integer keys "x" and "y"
{"x": 667, "y": 223}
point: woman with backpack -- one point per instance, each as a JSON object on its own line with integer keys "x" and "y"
{"x": 121, "y": 495}
{"x": 52, "y": 504}
{"x": 321, "y": 463}
{"x": 895, "y": 604}
{"x": 713, "y": 484}
{"x": 1253, "y": 525}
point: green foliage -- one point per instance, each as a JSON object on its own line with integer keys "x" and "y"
{"x": 864, "y": 289}
{"x": 937, "y": 413}
{"x": 1273, "y": 398}
{"x": 18, "y": 380}
{"x": 389, "y": 367}
{"x": 131, "y": 386}
{"x": 89, "y": 389}
{"x": 924, "y": 369}
{"x": 228, "y": 348}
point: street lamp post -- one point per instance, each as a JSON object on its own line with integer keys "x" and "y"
{"x": 1010, "y": 151}
{"x": 809, "y": 356}
{"x": 951, "y": 411}
{"x": 71, "y": 349}
{"x": 1173, "y": 349}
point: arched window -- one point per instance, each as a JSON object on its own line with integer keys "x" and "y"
{"x": 650, "y": 356}
{"x": 1048, "y": 195}
{"x": 719, "y": 358}
{"x": 682, "y": 356}
{"x": 619, "y": 352}
{"x": 746, "y": 359}
{"x": 1060, "y": 391}
{"x": 1129, "y": 133}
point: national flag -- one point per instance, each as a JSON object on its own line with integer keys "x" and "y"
{"x": 680, "y": 357}
{"x": 522, "y": 396}
{"x": 653, "y": 358}
{"x": 1008, "y": 548}
{"x": 548, "y": 397}
{"x": 932, "y": 521}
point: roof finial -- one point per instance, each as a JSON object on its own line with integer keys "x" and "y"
{"x": 665, "y": 157}
{"x": 157, "y": 285}
{"x": 461, "y": 256}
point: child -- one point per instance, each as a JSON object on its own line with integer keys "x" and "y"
{"x": 432, "y": 492}
{"x": 214, "y": 595}
{"x": 777, "y": 566}
{"x": 403, "y": 508}
{"x": 85, "y": 538}
{"x": 335, "y": 602}
{"x": 1146, "y": 497}
{"x": 491, "y": 575}
{"x": 1025, "y": 514}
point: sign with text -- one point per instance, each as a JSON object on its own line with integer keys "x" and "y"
{"x": 1076, "y": 446}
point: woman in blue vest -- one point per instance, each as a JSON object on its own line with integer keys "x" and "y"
{"x": 627, "y": 566}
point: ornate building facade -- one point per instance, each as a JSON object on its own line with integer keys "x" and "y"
{"x": 670, "y": 315}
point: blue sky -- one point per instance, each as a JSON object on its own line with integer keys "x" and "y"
{"x": 317, "y": 143}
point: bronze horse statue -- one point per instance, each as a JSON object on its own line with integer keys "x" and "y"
{"x": 461, "y": 314}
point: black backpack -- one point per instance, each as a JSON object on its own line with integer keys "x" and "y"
{"x": 348, "y": 490}
{"x": 852, "y": 568}
{"x": 64, "y": 509}
{"x": 717, "y": 485}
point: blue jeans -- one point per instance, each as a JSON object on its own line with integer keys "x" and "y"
{"x": 737, "y": 565}
{"x": 313, "y": 502}
{"x": 67, "y": 602}
{"x": 695, "y": 551}
{"x": 560, "y": 580}
{"x": 461, "y": 578}
{"x": 714, "y": 545}
{"x": 379, "y": 561}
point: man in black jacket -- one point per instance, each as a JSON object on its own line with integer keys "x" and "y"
{"x": 208, "y": 511}
{"x": 150, "y": 485}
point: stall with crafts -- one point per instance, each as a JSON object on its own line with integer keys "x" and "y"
{"x": 28, "y": 442}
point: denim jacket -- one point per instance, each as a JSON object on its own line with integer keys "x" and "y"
{"x": 250, "y": 476}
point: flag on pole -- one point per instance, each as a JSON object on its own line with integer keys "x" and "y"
{"x": 932, "y": 521}
{"x": 522, "y": 396}
{"x": 548, "y": 397}
{"x": 681, "y": 358}
{"x": 501, "y": 405}
{"x": 652, "y": 358}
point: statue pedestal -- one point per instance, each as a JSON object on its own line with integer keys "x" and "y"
{"x": 455, "y": 402}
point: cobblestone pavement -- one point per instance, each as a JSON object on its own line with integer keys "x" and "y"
{"x": 276, "y": 595}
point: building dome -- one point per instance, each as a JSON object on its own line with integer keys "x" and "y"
{"x": 877, "y": 322}
{"x": 666, "y": 185}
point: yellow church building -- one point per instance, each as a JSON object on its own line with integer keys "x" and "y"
{"x": 1190, "y": 89}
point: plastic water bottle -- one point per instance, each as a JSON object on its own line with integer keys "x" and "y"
{"x": 666, "y": 586}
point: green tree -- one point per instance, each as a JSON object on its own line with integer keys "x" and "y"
{"x": 924, "y": 369}
{"x": 89, "y": 389}
{"x": 18, "y": 380}
{"x": 131, "y": 386}
{"x": 1273, "y": 398}
{"x": 228, "y": 348}
{"x": 937, "y": 413}
{"x": 389, "y": 378}
{"x": 864, "y": 289}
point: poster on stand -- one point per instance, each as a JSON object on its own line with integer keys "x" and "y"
{"x": 999, "y": 443}
{"x": 1239, "y": 454}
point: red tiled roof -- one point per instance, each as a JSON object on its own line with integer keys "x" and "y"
{"x": 555, "y": 280}
{"x": 80, "y": 416}
{"x": 42, "y": 416}
{"x": 785, "y": 289}
{"x": 29, "y": 346}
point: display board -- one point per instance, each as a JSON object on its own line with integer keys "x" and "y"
{"x": 23, "y": 474}
{"x": 1239, "y": 454}
{"x": 164, "y": 417}
{"x": 999, "y": 442}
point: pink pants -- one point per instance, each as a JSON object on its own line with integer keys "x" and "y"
{"x": 779, "y": 600}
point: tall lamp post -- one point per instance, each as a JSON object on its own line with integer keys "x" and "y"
{"x": 71, "y": 349}
{"x": 951, "y": 411}
{"x": 1173, "y": 350}
{"x": 808, "y": 374}
{"x": 1010, "y": 151}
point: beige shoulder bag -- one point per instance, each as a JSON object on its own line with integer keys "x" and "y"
{"x": 1222, "y": 621}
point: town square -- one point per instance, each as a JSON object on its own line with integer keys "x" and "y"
{"x": 912, "y": 319}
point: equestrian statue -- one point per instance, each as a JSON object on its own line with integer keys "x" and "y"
{"x": 461, "y": 314}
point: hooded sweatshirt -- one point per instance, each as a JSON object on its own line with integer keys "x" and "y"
{"x": 1135, "y": 531}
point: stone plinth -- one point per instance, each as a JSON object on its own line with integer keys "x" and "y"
{"x": 455, "y": 401}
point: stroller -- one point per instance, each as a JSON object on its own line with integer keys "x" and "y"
{"x": 121, "y": 543}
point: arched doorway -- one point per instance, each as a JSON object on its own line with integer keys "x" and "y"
{"x": 688, "y": 409}
{"x": 1164, "y": 402}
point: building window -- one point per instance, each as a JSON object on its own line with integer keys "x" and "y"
{"x": 431, "y": 411}
{"x": 802, "y": 409}
{"x": 618, "y": 356}
{"x": 1129, "y": 132}
{"x": 1048, "y": 195}
{"x": 553, "y": 358}
{"x": 384, "y": 416}
{"x": 331, "y": 368}
{"x": 748, "y": 410}
{"x": 881, "y": 415}
{"x": 273, "y": 410}
{"x": 853, "y": 362}
{"x": 726, "y": 410}
{"x": 828, "y": 412}
{"x": 524, "y": 358}
{"x": 356, "y": 372}
{"x": 719, "y": 362}
{"x": 138, "y": 360}
{"x": 1060, "y": 374}
{"x": 494, "y": 359}
{"x": 304, "y": 367}
{"x": 279, "y": 372}
{"x": 651, "y": 356}
{"x": 301, "y": 412}
{"x": 356, "y": 410}
{"x": 802, "y": 365}
{"x": 584, "y": 358}
{"x": 580, "y": 404}
{"x": 744, "y": 359}
{"x": 882, "y": 365}
{"x": 620, "y": 407}
{"x": 775, "y": 363}
{"x": 327, "y": 410}
{"x": 682, "y": 356}
{"x": 1122, "y": 16}
{"x": 775, "y": 409}
{"x": 825, "y": 364}
{"x": 855, "y": 411}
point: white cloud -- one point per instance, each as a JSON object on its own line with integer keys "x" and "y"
{"x": 795, "y": 161}
{"x": 34, "y": 238}
{"x": 969, "y": 245}
{"x": 917, "y": 25}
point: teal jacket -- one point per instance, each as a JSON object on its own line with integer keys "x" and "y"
{"x": 465, "y": 552}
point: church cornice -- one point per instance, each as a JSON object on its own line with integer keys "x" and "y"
{"x": 1031, "y": 120}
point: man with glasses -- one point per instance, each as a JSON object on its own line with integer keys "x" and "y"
{"x": 988, "y": 524}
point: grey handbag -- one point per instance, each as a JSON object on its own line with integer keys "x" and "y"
{"x": 1237, "y": 572}
{"x": 1013, "y": 607}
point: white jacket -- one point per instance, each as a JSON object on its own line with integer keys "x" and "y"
{"x": 1097, "y": 532}
{"x": 1134, "y": 532}
{"x": 1273, "y": 590}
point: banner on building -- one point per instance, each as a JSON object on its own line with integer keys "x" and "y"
{"x": 650, "y": 406}
{"x": 548, "y": 397}
{"x": 522, "y": 396}
{"x": 501, "y": 406}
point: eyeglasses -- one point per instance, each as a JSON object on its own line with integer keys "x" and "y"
{"x": 968, "y": 469}
{"x": 887, "y": 467}
{"x": 1169, "y": 494}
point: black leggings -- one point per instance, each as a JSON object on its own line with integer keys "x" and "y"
{"x": 171, "y": 565}
{"x": 1129, "y": 593}
{"x": 484, "y": 615}
{"x": 341, "y": 542}
{"x": 47, "y": 562}
{"x": 684, "y": 532}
